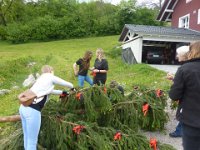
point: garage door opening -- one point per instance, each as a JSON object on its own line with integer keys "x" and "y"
{"x": 159, "y": 52}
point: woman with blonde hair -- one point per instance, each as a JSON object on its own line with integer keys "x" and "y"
{"x": 100, "y": 68}
{"x": 82, "y": 72}
{"x": 31, "y": 115}
{"x": 186, "y": 87}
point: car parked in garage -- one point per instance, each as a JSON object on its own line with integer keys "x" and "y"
{"x": 155, "y": 56}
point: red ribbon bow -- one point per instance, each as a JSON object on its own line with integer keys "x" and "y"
{"x": 78, "y": 129}
{"x": 105, "y": 90}
{"x": 78, "y": 96}
{"x": 93, "y": 73}
{"x": 153, "y": 143}
{"x": 145, "y": 108}
{"x": 63, "y": 95}
{"x": 118, "y": 136}
{"x": 159, "y": 93}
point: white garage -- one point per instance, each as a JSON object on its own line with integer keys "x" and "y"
{"x": 140, "y": 41}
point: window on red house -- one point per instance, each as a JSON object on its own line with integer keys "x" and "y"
{"x": 184, "y": 21}
{"x": 198, "y": 17}
{"x": 187, "y": 1}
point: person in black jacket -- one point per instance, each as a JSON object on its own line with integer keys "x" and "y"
{"x": 82, "y": 72}
{"x": 182, "y": 53}
{"x": 100, "y": 68}
{"x": 186, "y": 87}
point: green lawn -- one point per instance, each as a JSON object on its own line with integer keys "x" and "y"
{"x": 61, "y": 55}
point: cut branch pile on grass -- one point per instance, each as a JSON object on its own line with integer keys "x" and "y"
{"x": 100, "y": 118}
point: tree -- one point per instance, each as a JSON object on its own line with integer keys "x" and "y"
{"x": 127, "y": 12}
{"x": 5, "y": 5}
{"x": 154, "y": 5}
{"x": 11, "y": 11}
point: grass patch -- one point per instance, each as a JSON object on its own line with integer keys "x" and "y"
{"x": 61, "y": 55}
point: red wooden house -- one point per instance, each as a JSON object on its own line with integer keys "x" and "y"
{"x": 181, "y": 13}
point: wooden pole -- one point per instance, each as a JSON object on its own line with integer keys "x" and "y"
{"x": 13, "y": 118}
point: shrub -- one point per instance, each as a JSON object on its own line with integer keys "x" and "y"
{"x": 44, "y": 29}
{"x": 18, "y": 33}
{"x": 2, "y": 33}
{"x": 115, "y": 52}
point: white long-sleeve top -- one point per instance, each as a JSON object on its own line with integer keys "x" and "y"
{"x": 44, "y": 85}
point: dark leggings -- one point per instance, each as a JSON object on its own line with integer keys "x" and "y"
{"x": 191, "y": 137}
{"x": 99, "y": 81}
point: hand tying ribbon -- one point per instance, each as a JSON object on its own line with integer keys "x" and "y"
{"x": 93, "y": 73}
{"x": 64, "y": 94}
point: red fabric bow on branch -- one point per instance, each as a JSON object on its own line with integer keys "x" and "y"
{"x": 159, "y": 93}
{"x": 78, "y": 129}
{"x": 64, "y": 94}
{"x": 117, "y": 136}
{"x": 153, "y": 143}
{"x": 79, "y": 95}
{"x": 105, "y": 90}
{"x": 145, "y": 108}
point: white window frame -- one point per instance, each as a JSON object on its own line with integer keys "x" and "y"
{"x": 187, "y": 1}
{"x": 198, "y": 17}
{"x": 182, "y": 21}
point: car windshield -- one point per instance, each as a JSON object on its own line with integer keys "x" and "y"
{"x": 154, "y": 53}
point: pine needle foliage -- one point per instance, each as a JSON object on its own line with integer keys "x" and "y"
{"x": 99, "y": 118}
{"x": 156, "y": 117}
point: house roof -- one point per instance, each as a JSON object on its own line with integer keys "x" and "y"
{"x": 142, "y": 30}
{"x": 166, "y": 11}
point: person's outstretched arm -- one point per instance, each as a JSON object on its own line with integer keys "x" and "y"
{"x": 59, "y": 81}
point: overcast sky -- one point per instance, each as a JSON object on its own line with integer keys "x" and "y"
{"x": 115, "y": 2}
{"x": 139, "y": 1}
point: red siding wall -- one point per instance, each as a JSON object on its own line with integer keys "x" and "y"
{"x": 182, "y": 8}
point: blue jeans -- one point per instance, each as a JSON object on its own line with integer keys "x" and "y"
{"x": 86, "y": 78}
{"x": 179, "y": 128}
{"x": 31, "y": 121}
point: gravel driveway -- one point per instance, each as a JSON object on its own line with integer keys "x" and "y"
{"x": 167, "y": 68}
{"x": 171, "y": 125}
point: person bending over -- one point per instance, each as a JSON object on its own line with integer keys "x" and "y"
{"x": 31, "y": 115}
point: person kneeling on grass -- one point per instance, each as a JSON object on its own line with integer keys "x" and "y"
{"x": 114, "y": 84}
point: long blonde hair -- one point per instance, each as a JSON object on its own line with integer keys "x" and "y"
{"x": 194, "y": 50}
{"x": 46, "y": 69}
{"x": 100, "y": 53}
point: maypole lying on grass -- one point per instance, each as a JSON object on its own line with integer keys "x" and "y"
{"x": 99, "y": 118}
